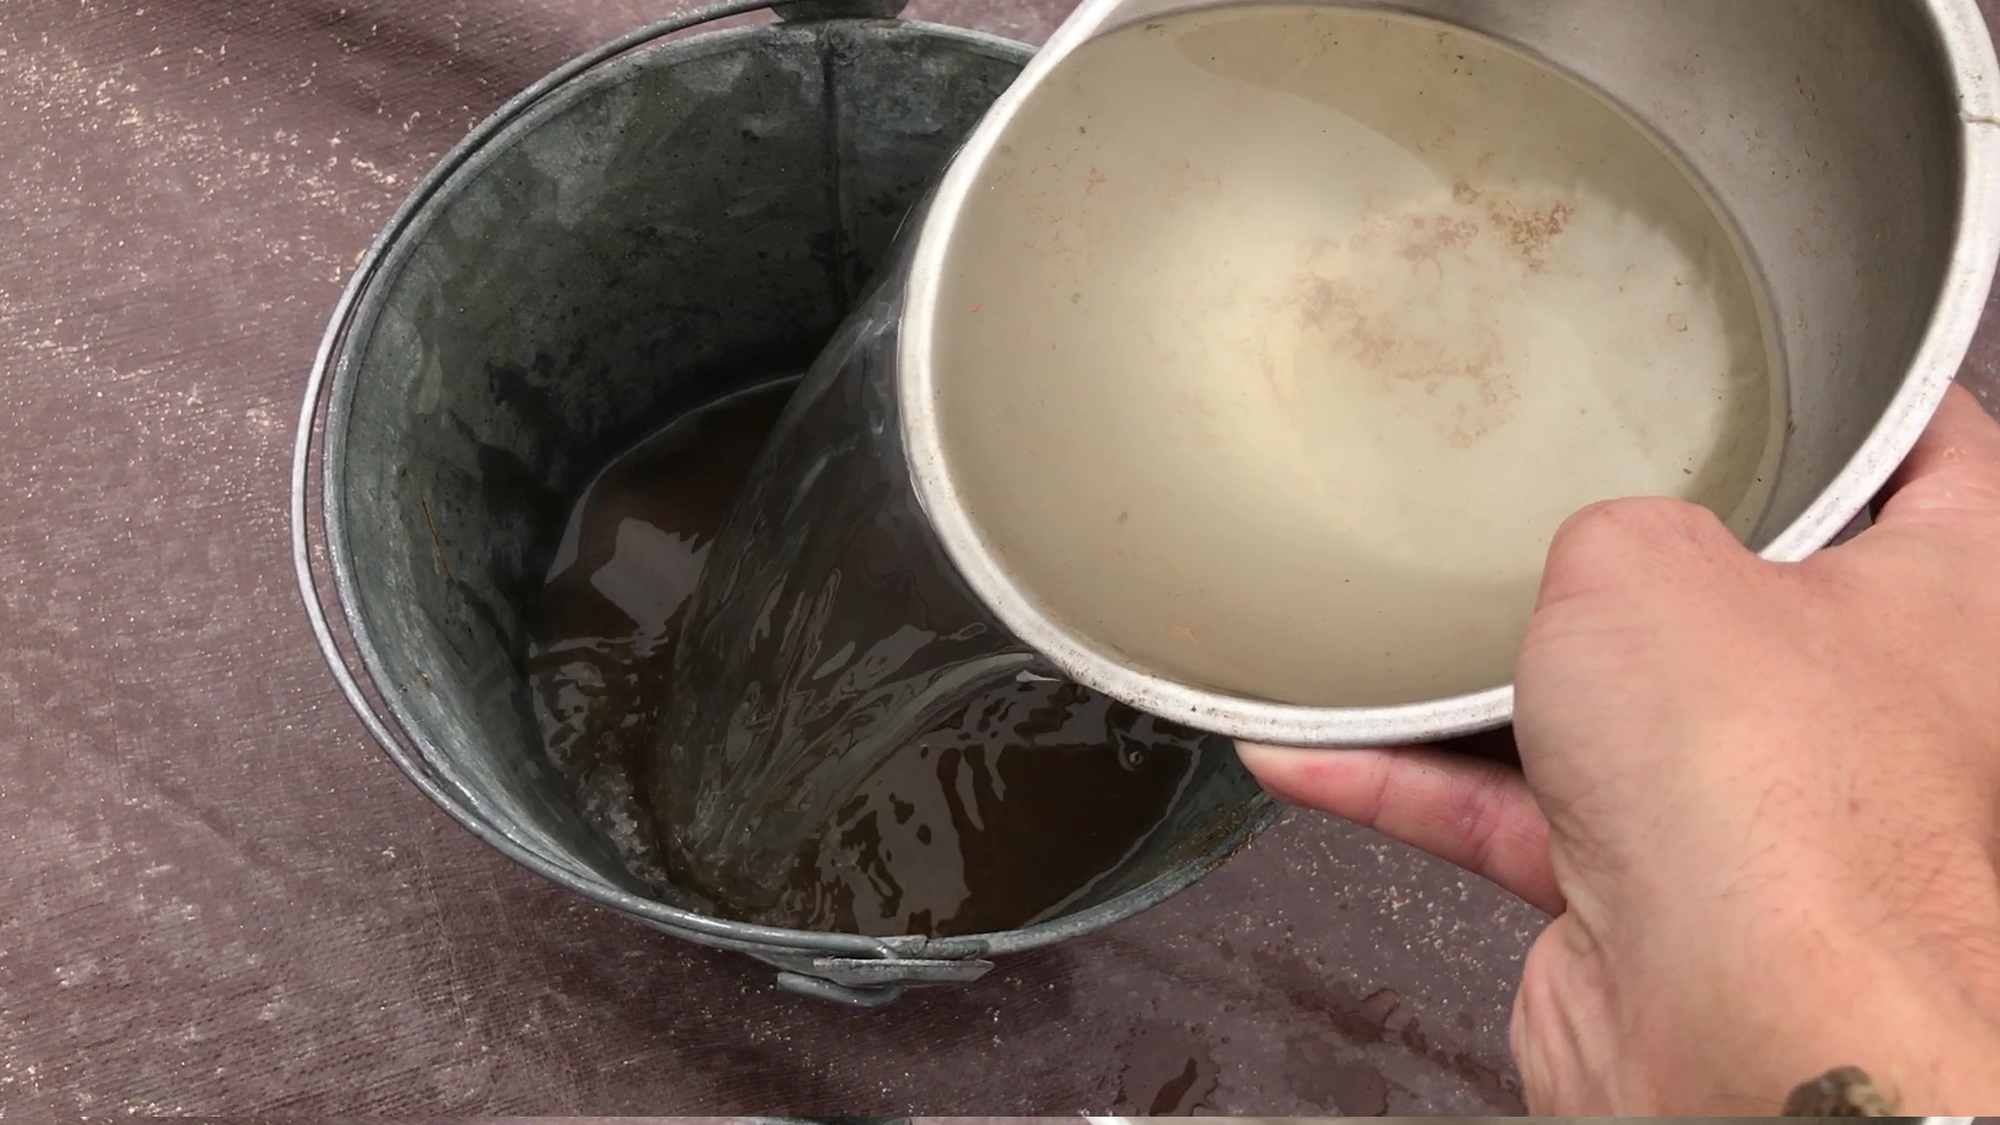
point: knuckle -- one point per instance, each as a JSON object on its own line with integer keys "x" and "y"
{"x": 1591, "y": 528}
{"x": 1628, "y": 545}
{"x": 1477, "y": 818}
{"x": 1619, "y": 528}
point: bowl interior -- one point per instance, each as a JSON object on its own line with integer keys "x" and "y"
{"x": 1831, "y": 141}
{"x": 1831, "y": 134}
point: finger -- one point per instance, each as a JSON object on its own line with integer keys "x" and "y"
{"x": 1955, "y": 465}
{"x": 1474, "y": 813}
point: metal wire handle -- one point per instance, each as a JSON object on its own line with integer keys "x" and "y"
{"x": 843, "y": 968}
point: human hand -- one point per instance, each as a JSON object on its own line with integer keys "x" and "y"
{"x": 1763, "y": 801}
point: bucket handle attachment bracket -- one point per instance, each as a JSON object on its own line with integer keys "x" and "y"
{"x": 871, "y": 982}
{"x": 864, "y": 983}
{"x": 799, "y": 11}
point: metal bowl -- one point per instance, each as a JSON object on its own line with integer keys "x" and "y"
{"x": 1855, "y": 145}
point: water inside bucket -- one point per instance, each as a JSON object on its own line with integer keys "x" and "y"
{"x": 1009, "y": 810}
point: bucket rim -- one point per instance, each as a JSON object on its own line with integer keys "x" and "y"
{"x": 330, "y": 389}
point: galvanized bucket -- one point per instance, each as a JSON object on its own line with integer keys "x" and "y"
{"x": 652, "y": 226}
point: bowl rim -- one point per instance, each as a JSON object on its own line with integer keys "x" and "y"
{"x": 1975, "y": 81}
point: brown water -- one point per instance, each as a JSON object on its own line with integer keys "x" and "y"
{"x": 1003, "y": 811}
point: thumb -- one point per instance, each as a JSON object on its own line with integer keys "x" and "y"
{"x": 1469, "y": 811}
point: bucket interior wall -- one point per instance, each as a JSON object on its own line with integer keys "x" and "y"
{"x": 685, "y": 221}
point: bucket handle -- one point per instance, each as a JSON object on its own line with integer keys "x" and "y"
{"x": 848, "y": 969}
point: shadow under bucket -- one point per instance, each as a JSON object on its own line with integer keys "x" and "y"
{"x": 651, "y": 228}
